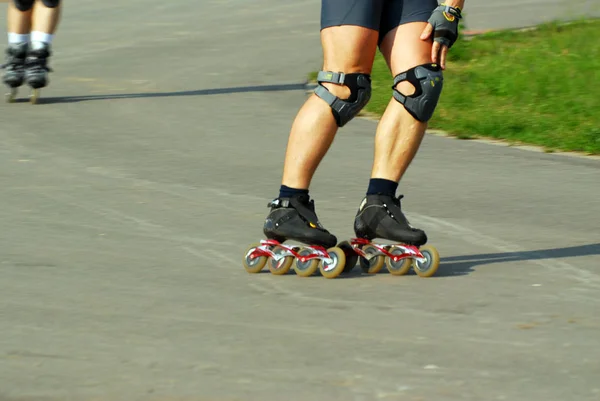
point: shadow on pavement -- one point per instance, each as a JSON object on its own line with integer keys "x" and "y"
{"x": 463, "y": 265}
{"x": 199, "y": 92}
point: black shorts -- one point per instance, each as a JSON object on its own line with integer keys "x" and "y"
{"x": 380, "y": 15}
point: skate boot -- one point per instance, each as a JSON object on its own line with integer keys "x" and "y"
{"x": 14, "y": 68}
{"x": 380, "y": 216}
{"x": 295, "y": 219}
{"x": 36, "y": 68}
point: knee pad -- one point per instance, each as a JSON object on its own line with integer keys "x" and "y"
{"x": 51, "y": 3}
{"x": 345, "y": 110}
{"x": 428, "y": 81}
{"x": 23, "y": 5}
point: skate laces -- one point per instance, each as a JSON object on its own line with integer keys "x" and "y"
{"x": 37, "y": 60}
{"x": 396, "y": 214}
{"x": 37, "y": 64}
{"x": 306, "y": 210}
{"x": 12, "y": 66}
{"x": 396, "y": 201}
{"x": 15, "y": 58}
{"x": 13, "y": 63}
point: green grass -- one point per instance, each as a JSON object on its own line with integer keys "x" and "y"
{"x": 539, "y": 87}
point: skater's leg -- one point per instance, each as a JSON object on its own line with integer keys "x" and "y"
{"x": 399, "y": 134}
{"x": 349, "y": 35}
{"x": 19, "y": 21}
{"x": 347, "y": 49}
{"x": 18, "y": 24}
{"x": 402, "y": 126}
{"x": 45, "y": 20}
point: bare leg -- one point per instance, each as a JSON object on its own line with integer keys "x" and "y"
{"x": 396, "y": 142}
{"x": 18, "y": 21}
{"x": 348, "y": 49}
{"x": 44, "y": 23}
{"x": 46, "y": 19}
{"x": 399, "y": 135}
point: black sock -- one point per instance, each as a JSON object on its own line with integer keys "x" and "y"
{"x": 382, "y": 186}
{"x": 287, "y": 192}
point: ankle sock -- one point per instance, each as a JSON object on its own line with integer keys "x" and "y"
{"x": 382, "y": 186}
{"x": 15, "y": 38}
{"x": 287, "y": 192}
{"x": 38, "y": 36}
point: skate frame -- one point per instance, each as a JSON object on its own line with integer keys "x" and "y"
{"x": 408, "y": 251}
{"x": 318, "y": 252}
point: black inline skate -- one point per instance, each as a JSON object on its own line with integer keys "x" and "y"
{"x": 380, "y": 216}
{"x": 295, "y": 219}
{"x": 36, "y": 68}
{"x": 14, "y": 68}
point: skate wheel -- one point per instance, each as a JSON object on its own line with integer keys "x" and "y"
{"x": 308, "y": 268}
{"x": 11, "y": 96}
{"x": 253, "y": 265}
{"x": 337, "y": 267}
{"x": 375, "y": 264}
{"x": 35, "y": 95}
{"x": 282, "y": 266}
{"x": 399, "y": 268}
{"x": 430, "y": 266}
{"x": 351, "y": 256}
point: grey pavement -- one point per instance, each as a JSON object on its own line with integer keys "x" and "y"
{"x": 128, "y": 197}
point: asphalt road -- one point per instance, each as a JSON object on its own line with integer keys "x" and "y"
{"x": 128, "y": 197}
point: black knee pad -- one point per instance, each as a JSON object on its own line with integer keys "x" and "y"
{"x": 51, "y": 3}
{"x": 428, "y": 81}
{"x": 345, "y": 110}
{"x": 23, "y": 5}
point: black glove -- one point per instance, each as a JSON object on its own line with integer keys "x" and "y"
{"x": 444, "y": 20}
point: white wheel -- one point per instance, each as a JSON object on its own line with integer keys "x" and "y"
{"x": 35, "y": 95}
{"x": 253, "y": 265}
{"x": 335, "y": 268}
{"x": 432, "y": 261}
{"x": 11, "y": 96}
{"x": 375, "y": 264}
{"x": 308, "y": 268}
{"x": 401, "y": 267}
{"x": 283, "y": 265}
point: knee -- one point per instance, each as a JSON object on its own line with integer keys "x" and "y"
{"x": 419, "y": 89}
{"x": 349, "y": 93}
{"x": 51, "y": 3}
{"x": 23, "y": 5}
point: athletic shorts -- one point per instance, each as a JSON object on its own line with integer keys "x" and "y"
{"x": 380, "y": 15}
